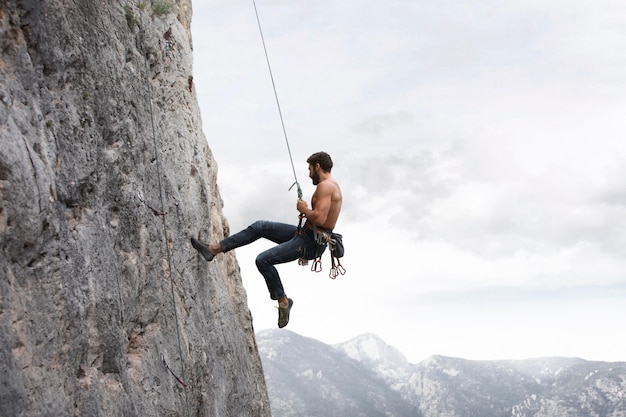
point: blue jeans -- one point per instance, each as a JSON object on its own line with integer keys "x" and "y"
{"x": 291, "y": 246}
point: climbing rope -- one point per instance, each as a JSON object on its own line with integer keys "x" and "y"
{"x": 161, "y": 213}
{"x": 280, "y": 113}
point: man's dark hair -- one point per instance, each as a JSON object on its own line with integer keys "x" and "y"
{"x": 322, "y": 158}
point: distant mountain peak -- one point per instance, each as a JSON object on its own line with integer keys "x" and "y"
{"x": 366, "y": 377}
{"x": 371, "y": 349}
{"x": 367, "y": 346}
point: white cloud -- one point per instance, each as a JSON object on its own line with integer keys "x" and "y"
{"x": 480, "y": 147}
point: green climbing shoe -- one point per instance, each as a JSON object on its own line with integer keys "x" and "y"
{"x": 283, "y": 314}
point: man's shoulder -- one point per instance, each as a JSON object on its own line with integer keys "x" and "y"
{"x": 328, "y": 186}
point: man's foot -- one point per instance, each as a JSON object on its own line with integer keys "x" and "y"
{"x": 283, "y": 314}
{"x": 203, "y": 249}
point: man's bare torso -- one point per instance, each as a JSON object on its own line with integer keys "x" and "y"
{"x": 328, "y": 188}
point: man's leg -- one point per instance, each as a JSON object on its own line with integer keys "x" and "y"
{"x": 283, "y": 253}
{"x": 290, "y": 247}
{"x": 276, "y": 232}
{"x": 280, "y": 254}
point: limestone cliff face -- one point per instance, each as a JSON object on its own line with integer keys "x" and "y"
{"x": 99, "y": 123}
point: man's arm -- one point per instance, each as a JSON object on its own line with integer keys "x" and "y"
{"x": 321, "y": 202}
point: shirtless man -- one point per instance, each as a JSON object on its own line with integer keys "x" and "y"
{"x": 291, "y": 245}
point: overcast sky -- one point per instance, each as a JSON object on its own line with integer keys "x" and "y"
{"x": 481, "y": 150}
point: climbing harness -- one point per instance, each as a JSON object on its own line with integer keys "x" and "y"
{"x": 280, "y": 113}
{"x": 335, "y": 245}
{"x": 334, "y": 241}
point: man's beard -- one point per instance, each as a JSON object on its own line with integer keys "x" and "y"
{"x": 316, "y": 178}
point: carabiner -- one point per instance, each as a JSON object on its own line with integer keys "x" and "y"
{"x": 333, "y": 273}
{"x": 317, "y": 265}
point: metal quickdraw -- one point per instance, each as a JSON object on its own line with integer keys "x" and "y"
{"x": 172, "y": 372}
{"x": 300, "y": 231}
{"x": 154, "y": 211}
{"x": 323, "y": 237}
{"x": 337, "y": 269}
{"x": 317, "y": 265}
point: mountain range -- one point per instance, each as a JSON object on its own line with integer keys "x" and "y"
{"x": 365, "y": 377}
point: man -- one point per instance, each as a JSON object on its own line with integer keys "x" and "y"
{"x": 291, "y": 243}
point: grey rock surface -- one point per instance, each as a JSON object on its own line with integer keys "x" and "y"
{"x": 99, "y": 126}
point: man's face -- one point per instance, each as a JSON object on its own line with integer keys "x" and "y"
{"x": 314, "y": 174}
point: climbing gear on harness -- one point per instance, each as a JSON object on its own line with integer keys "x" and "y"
{"x": 317, "y": 264}
{"x": 336, "y": 251}
{"x": 335, "y": 244}
{"x": 280, "y": 113}
{"x": 299, "y": 231}
{"x": 283, "y": 314}
{"x": 337, "y": 269}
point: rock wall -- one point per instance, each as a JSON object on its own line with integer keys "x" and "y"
{"x": 100, "y": 131}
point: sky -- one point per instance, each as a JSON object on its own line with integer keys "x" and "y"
{"x": 481, "y": 151}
